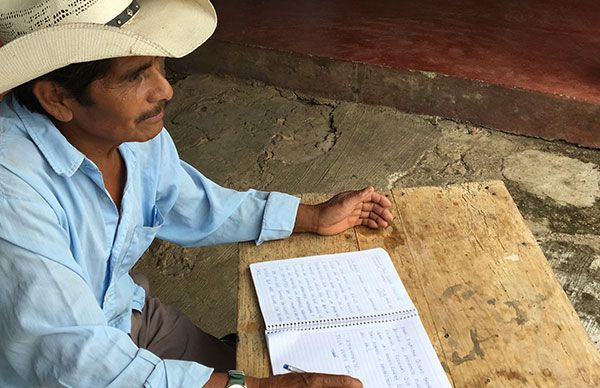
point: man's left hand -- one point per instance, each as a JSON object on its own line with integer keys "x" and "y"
{"x": 345, "y": 210}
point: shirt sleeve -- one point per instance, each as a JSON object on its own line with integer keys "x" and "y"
{"x": 200, "y": 212}
{"x": 52, "y": 330}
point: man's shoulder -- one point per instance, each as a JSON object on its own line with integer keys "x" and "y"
{"x": 17, "y": 149}
{"x": 19, "y": 162}
{"x": 12, "y": 129}
{"x": 15, "y": 186}
{"x": 13, "y": 139}
{"x": 19, "y": 157}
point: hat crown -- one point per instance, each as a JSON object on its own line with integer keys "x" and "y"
{"x": 21, "y": 17}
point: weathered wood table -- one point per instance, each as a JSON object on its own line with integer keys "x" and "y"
{"x": 491, "y": 304}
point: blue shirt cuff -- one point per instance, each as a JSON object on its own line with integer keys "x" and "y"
{"x": 139, "y": 298}
{"x": 279, "y": 217}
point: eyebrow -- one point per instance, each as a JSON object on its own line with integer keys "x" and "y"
{"x": 130, "y": 73}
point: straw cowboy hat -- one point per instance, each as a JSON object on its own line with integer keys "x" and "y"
{"x": 40, "y": 36}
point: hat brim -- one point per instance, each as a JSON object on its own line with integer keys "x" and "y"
{"x": 166, "y": 28}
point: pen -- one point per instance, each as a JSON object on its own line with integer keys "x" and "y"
{"x": 293, "y": 368}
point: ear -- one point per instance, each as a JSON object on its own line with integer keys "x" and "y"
{"x": 54, "y": 99}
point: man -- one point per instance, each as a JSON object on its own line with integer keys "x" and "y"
{"x": 89, "y": 177}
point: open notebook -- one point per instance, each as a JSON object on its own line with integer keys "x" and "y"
{"x": 346, "y": 313}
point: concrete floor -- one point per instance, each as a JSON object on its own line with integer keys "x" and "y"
{"x": 245, "y": 134}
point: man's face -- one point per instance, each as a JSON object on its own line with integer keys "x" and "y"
{"x": 127, "y": 105}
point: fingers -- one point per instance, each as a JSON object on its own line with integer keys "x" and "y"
{"x": 316, "y": 380}
{"x": 337, "y": 381}
{"x": 378, "y": 210}
{"x": 367, "y": 191}
{"x": 380, "y": 215}
{"x": 369, "y": 222}
{"x": 369, "y": 195}
{"x": 370, "y": 207}
{"x": 378, "y": 221}
{"x": 380, "y": 199}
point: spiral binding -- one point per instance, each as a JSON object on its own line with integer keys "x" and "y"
{"x": 331, "y": 323}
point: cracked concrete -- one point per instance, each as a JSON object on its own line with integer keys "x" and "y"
{"x": 245, "y": 134}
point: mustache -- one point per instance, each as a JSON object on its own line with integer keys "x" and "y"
{"x": 151, "y": 113}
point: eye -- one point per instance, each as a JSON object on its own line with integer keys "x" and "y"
{"x": 135, "y": 76}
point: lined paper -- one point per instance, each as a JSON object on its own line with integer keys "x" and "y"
{"x": 346, "y": 313}
{"x": 390, "y": 354}
{"x": 328, "y": 287}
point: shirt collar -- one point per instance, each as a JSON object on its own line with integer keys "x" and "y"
{"x": 58, "y": 152}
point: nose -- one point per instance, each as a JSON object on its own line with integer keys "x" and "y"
{"x": 161, "y": 88}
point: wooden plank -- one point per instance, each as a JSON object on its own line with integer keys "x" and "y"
{"x": 252, "y": 355}
{"x": 489, "y": 299}
{"x": 394, "y": 240}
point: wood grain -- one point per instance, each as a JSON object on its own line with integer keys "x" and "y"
{"x": 489, "y": 301}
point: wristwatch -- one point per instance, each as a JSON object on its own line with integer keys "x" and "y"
{"x": 237, "y": 379}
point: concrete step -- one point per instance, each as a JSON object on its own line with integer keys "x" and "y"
{"x": 527, "y": 68}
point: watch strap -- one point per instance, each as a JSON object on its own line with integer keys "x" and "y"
{"x": 236, "y": 377}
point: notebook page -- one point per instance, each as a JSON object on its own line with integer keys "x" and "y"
{"x": 391, "y": 354}
{"x": 328, "y": 287}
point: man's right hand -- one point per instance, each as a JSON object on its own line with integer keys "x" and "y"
{"x": 290, "y": 380}
{"x": 304, "y": 380}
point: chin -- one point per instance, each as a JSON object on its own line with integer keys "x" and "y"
{"x": 156, "y": 132}
{"x": 150, "y": 133}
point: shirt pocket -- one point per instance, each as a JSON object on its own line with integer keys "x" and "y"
{"x": 143, "y": 235}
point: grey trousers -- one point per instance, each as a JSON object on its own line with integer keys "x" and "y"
{"x": 170, "y": 334}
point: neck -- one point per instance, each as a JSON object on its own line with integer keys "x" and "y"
{"x": 105, "y": 155}
{"x": 98, "y": 150}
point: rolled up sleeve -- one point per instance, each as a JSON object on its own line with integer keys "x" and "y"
{"x": 279, "y": 217}
{"x": 199, "y": 212}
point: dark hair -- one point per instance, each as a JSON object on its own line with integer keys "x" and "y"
{"x": 74, "y": 78}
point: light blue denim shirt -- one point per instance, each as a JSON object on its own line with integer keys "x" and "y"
{"x": 65, "y": 292}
